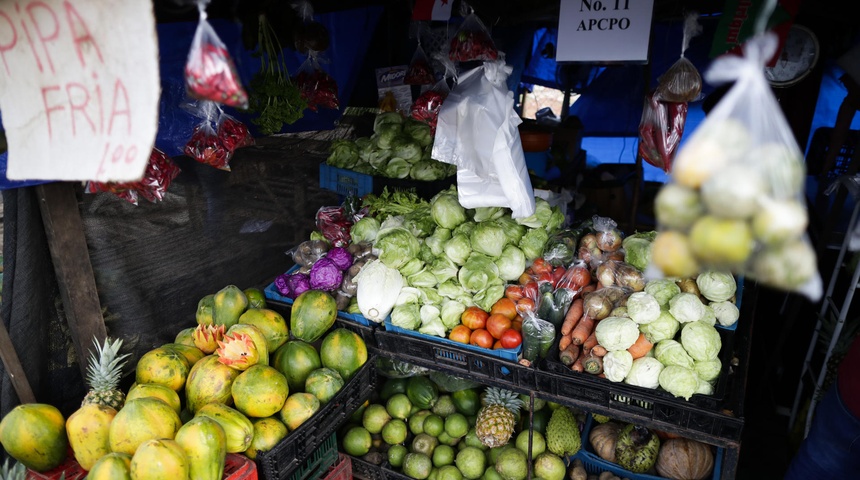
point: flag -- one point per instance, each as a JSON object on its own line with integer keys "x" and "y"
{"x": 439, "y": 10}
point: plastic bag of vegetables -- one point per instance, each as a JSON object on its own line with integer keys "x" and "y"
{"x": 735, "y": 201}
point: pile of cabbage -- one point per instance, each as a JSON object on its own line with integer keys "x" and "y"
{"x": 451, "y": 258}
{"x": 399, "y": 148}
{"x": 679, "y": 319}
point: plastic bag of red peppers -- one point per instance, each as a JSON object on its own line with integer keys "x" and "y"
{"x": 426, "y": 106}
{"x": 216, "y": 137}
{"x": 318, "y": 88}
{"x": 210, "y": 73}
{"x": 472, "y": 42}
{"x": 159, "y": 173}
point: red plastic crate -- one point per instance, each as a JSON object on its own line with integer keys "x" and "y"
{"x": 236, "y": 467}
{"x": 342, "y": 470}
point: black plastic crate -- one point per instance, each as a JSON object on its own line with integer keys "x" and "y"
{"x": 290, "y": 453}
{"x": 819, "y": 147}
{"x": 622, "y": 393}
{"x": 365, "y": 470}
{"x": 481, "y": 368}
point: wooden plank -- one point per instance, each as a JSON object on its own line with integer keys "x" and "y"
{"x": 13, "y": 367}
{"x": 68, "y": 246}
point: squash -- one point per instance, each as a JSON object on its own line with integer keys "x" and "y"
{"x": 603, "y": 437}
{"x": 685, "y": 459}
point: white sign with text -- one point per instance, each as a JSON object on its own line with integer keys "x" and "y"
{"x": 79, "y": 88}
{"x": 599, "y": 31}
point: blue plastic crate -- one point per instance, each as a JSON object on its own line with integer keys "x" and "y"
{"x": 537, "y": 162}
{"x": 595, "y": 465}
{"x": 511, "y": 354}
{"x": 345, "y": 182}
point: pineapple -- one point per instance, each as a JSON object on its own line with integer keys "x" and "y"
{"x": 103, "y": 375}
{"x": 16, "y": 471}
{"x": 497, "y": 417}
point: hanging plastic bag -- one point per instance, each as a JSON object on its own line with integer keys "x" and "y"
{"x": 736, "y": 198}
{"x": 660, "y": 131}
{"x": 477, "y": 131}
{"x": 426, "y": 106}
{"x": 210, "y": 73}
{"x": 681, "y": 83}
{"x": 317, "y": 87}
{"x": 334, "y": 224}
{"x": 310, "y": 35}
{"x": 160, "y": 172}
{"x": 233, "y": 133}
{"x": 419, "y": 72}
{"x": 205, "y": 145}
{"x": 472, "y": 42}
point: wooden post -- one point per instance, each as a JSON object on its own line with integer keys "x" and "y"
{"x": 13, "y": 367}
{"x": 68, "y": 246}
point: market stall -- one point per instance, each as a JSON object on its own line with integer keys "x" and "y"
{"x": 405, "y": 289}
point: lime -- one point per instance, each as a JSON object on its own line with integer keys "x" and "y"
{"x": 399, "y": 406}
{"x": 549, "y": 467}
{"x": 472, "y": 440}
{"x": 449, "y": 472}
{"x": 538, "y": 443}
{"x": 414, "y": 409}
{"x": 376, "y": 440}
{"x": 395, "y": 431}
{"x": 375, "y": 417}
{"x": 357, "y": 441}
{"x": 416, "y": 421}
{"x": 473, "y": 419}
{"x": 512, "y": 464}
{"x": 471, "y": 462}
{"x": 443, "y": 455}
{"x": 491, "y": 474}
{"x": 493, "y": 453}
{"x": 446, "y": 439}
{"x": 444, "y": 406}
{"x": 423, "y": 443}
{"x": 434, "y": 425}
{"x": 417, "y": 465}
{"x": 434, "y": 472}
{"x": 539, "y": 402}
{"x": 396, "y": 454}
{"x": 359, "y": 412}
{"x": 456, "y": 425}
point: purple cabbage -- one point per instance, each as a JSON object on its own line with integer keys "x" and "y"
{"x": 282, "y": 284}
{"x": 325, "y": 275}
{"x": 341, "y": 257}
{"x": 298, "y": 283}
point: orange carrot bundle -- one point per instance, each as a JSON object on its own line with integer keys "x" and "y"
{"x": 571, "y": 318}
{"x": 563, "y": 342}
{"x": 640, "y": 347}
{"x": 569, "y": 355}
{"x": 590, "y": 342}
{"x": 577, "y": 365}
{"x": 593, "y": 364}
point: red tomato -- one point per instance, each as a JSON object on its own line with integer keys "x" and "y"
{"x": 474, "y": 318}
{"x": 498, "y": 345}
{"x": 504, "y": 306}
{"x": 514, "y": 292}
{"x": 558, "y": 274}
{"x": 460, "y": 333}
{"x": 511, "y": 338}
{"x": 481, "y": 338}
{"x": 517, "y": 323}
{"x": 525, "y": 278}
{"x": 497, "y": 324}
{"x": 531, "y": 290}
{"x": 541, "y": 266}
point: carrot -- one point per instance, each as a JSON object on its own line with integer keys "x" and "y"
{"x": 582, "y": 330}
{"x": 571, "y": 318}
{"x": 569, "y": 355}
{"x": 598, "y": 351}
{"x": 593, "y": 364}
{"x": 590, "y": 342}
{"x": 640, "y": 347}
{"x": 563, "y": 342}
{"x": 577, "y": 365}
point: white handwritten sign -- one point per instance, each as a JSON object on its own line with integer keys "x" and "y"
{"x": 79, "y": 88}
{"x": 604, "y": 30}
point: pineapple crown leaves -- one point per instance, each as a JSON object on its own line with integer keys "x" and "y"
{"x": 505, "y": 398}
{"x": 106, "y": 361}
{"x": 15, "y": 471}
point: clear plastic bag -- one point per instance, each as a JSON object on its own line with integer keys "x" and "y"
{"x": 450, "y": 383}
{"x": 419, "y": 72}
{"x": 233, "y": 133}
{"x": 681, "y": 83}
{"x": 160, "y": 172}
{"x": 210, "y": 73}
{"x": 426, "y": 107}
{"x": 205, "y": 145}
{"x": 310, "y": 35}
{"x": 318, "y": 88}
{"x": 472, "y": 42}
{"x": 334, "y": 224}
{"x": 391, "y": 368}
{"x": 736, "y": 198}
{"x": 660, "y": 131}
{"x": 478, "y": 132}
{"x": 538, "y": 337}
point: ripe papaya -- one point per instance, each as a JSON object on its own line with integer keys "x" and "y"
{"x": 236, "y": 425}
{"x": 185, "y": 337}
{"x": 35, "y": 435}
{"x": 88, "y": 429}
{"x": 267, "y": 433}
{"x": 270, "y": 322}
{"x": 163, "y": 366}
{"x": 191, "y": 353}
{"x": 229, "y": 304}
{"x": 312, "y": 314}
{"x": 343, "y": 351}
{"x": 140, "y": 420}
{"x": 258, "y": 338}
{"x": 154, "y": 390}
{"x": 296, "y": 360}
{"x": 113, "y": 466}
{"x": 206, "y": 310}
{"x": 209, "y": 381}
{"x": 256, "y": 298}
{"x": 205, "y": 445}
{"x": 260, "y": 391}
{"x": 159, "y": 459}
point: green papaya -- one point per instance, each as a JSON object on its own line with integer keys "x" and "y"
{"x": 206, "y": 310}
{"x": 228, "y": 305}
{"x": 205, "y": 444}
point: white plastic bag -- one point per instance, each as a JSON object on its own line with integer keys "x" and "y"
{"x": 477, "y": 132}
{"x": 736, "y": 197}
